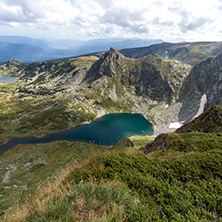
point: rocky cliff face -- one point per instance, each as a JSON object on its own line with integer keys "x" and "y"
{"x": 152, "y": 77}
{"x": 204, "y": 78}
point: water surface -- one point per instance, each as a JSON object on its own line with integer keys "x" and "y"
{"x": 8, "y": 79}
{"x": 106, "y": 130}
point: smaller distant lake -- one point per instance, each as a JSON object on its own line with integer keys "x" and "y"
{"x": 106, "y": 130}
{"x": 8, "y": 79}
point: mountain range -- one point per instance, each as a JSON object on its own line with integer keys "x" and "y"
{"x": 164, "y": 90}
{"x": 26, "y": 49}
{"x": 176, "y": 177}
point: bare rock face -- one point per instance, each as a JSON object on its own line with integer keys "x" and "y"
{"x": 153, "y": 77}
{"x": 204, "y": 78}
{"x": 106, "y": 65}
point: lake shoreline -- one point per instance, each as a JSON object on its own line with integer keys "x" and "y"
{"x": 106, "y": 130}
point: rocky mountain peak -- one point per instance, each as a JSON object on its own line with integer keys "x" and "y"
{"x": 112, "y": 55}
{"x": 106, "y": 65}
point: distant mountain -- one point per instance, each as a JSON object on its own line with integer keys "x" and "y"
{"x": 28, "y": 50}
{"x": 21, "y": 52}
{"x": 151, "y": 77}
{"x": 190, "y": 52}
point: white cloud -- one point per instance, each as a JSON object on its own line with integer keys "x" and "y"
{"x": 170, "y": 20}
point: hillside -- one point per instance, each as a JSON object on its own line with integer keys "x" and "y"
{"x": 179, "y": 183}
{"x": 200, "y": 132}
{"x": 189, "y": 52}
{"x": 208, "y": 122}
{"x": 86, "y": 88}
{"x": 12, "y": 68}
{"x": 176, "y": 177}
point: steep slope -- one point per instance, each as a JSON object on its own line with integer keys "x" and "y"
{"x": 190, "y": 52}
{"x": 204, "y": 78}
{"x": 183, "y": 183}
{"x": 208, "y": 122}
{"x": 26, "y": 168}
{"x": 110, "y": 84}
{"x": 153, "y": 77}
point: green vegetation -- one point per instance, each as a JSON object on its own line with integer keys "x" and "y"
{"x": 37, "y": 116}
{"x": 141, "y": 141}
{"x": 185, "y": 143}
{"x": 209, "y": 121}
{"x": 26, "y": 168}
{"x": 182, "y": 182}
{"x": 188, "y": 188}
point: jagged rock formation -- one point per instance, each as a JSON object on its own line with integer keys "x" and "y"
{"x": 190, "y": 52}
{"x": 153, "y": 77}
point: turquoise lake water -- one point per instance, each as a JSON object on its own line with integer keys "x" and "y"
{"x": 106, "y": 130}
{"x": 8, "y": 79}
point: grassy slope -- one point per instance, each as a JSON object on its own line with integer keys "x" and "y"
{"x": 141, "y": 141}
{"x": 179, "y": 183}
{"x": 36, "y": 116}
{"x": 27, "y": 167}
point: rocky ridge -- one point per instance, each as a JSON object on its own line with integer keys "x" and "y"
{"x": 112, "y": 83}
{"x": 189, "y": 52}
{"x": 167, "y": 92}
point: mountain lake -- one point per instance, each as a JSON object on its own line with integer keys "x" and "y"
{"x": 106, "y": 130}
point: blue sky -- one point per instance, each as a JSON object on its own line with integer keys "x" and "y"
{"x": 181, "y": 20}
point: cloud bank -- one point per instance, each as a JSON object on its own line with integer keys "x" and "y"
{"x": 83, "y": 19}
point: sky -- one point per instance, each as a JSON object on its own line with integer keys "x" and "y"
{"x": 169, "y": 20}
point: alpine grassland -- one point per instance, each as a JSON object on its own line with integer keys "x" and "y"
{"x": 122, "y": 184}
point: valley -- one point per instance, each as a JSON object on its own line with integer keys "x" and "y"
{"x": 155, "y": 179}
